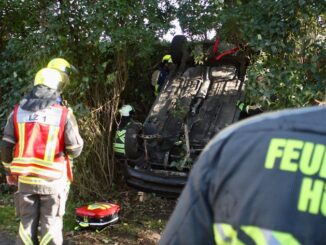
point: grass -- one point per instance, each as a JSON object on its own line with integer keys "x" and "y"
{"x": 69, "y": 222}
{"x": 9, "y": 223}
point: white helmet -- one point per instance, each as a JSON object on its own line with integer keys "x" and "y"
{"x": 51, "y": 78}
{"x": 126, "y": 110}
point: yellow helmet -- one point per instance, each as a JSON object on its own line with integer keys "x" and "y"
{"x": 51, "y": 78}
{"x": 61, "y": 65}
{"x": 167, "y": 58}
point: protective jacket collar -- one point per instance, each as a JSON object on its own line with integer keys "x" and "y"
{"x": 39, "y": 98}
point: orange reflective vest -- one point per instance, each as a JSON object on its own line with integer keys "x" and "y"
{"x": 39, "y": 149}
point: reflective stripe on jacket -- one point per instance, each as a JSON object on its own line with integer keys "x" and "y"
{"x": 119, "y": 141}
{"x": 40, "y": 142}
{"x": 225, "y": 234}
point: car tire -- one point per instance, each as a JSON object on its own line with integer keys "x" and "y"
{"x": 178, "y": 48}
{"x": 132, "y": 141}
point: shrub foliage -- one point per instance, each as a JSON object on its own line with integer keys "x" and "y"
{"x": 115, "y": 44}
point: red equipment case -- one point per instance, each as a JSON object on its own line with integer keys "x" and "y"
{"x": 97, "y": 214}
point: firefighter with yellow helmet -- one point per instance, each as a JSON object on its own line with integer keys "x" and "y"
{"x": 64, "y": 66}
{"x": 61, "y": 65}
{"x": 160, "y": 75}
{"x": 38, "y": 140}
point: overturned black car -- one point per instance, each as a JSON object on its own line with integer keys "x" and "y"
{"x": 195, "y": 103}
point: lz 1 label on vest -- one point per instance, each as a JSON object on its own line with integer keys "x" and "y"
{"x": 49, "y": 116}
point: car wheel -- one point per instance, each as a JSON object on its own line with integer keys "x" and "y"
{"x": 178, "y": 48}
{"x": 132, "y": 141}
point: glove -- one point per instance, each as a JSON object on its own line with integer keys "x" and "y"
{"x": 12, "y": 179}
{"x": 241, "y": 105}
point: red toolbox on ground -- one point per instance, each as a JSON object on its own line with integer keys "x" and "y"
{"x": 97, "y": 214}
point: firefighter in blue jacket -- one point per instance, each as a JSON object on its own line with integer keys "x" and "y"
{"x": 119, "y": 139}
{"x": 261, "y": 181}
{"x": 160, "y": 75}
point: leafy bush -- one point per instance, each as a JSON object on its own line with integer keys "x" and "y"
{"x": 116, "y": 43}
{"x": 288, "y": 43}
{"x": 112, "y": 43}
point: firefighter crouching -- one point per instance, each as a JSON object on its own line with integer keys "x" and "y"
{"x": 126, "y": 112}
{"x": 40, "y": 139}
{"x": 248, "y": 110}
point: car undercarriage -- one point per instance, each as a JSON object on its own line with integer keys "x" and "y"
{"x": 195, "y": 103}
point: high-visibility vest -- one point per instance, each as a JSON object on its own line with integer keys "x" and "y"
{"x": 39, "y": 149}
{"x": 119, "y": 141}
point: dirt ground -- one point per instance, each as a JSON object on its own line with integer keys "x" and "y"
{"x": 142, "y": 220}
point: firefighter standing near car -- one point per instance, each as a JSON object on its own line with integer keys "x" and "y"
{"x": 160, "y": 75}
{"x": 261, "y": 181}
{"x": 248, "y": 110}
{"x": 39, "y": 139}
{"x": 63, "y": 66}
{"x": 125, "y": 112}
